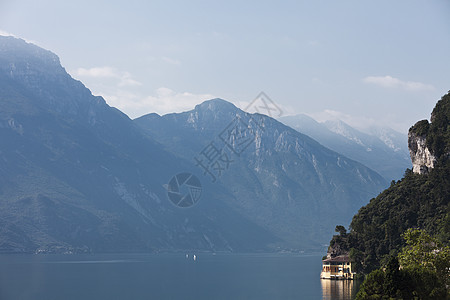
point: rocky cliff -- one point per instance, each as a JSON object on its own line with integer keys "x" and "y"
{"x": 422, "y": 158}
{"x": 427, "y": 142}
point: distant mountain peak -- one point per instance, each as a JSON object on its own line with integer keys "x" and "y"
{"x": 384, "y": 150}
{"x": 14, "y": 51}
{"x": 216, "y": 104}
{"x": 39, "y": 72}
{"x": 338, "y": 123}
{"x": 340, "y": 127}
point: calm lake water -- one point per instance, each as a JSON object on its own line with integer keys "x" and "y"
{"x": 167, "y": 276}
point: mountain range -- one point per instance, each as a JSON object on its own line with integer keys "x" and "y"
{"x": 381, "y": 149}
{"x": 77, "y": 175}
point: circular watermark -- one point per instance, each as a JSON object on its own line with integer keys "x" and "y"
{"x": 184, "y": 189}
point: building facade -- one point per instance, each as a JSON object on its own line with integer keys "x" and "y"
{"x": 338, "y": 267}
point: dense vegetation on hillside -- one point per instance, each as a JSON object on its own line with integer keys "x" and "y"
{"x": 380, "y": 233}
{"x": 438, "y": 132}
{"x": 438, "y": 136}
{"x": 424, "y": 271}
{"x": 416, "y": 201}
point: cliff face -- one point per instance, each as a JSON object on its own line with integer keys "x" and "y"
{"x": 429, "y": 142}
{"x": 422, "y": 158}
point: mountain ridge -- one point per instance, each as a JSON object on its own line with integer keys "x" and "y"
{"x": 95, "y": 179}
{"x": 79, "y": 176}
{"x": 198, "y": 127}
{"x": 390, "y": 160}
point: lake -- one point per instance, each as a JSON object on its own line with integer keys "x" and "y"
{"x": 167, "y": 276}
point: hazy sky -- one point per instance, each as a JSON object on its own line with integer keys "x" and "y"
{"x": 365, "y": 62}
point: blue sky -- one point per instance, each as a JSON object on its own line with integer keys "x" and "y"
{"x": 365, "y": 62}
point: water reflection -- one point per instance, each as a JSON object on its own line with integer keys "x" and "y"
{"x": 339, "y": 289}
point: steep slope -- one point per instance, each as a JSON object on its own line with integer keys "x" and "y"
{"x": 420, "y": 200}
{"x": 282, "y": 180}
{"x": 78, "y": 175}
{"x": 394, "y": 140}
{"x": 384, "y": 150}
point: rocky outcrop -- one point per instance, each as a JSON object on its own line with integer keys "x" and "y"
{"x": 429, "y": 143}
{"x": 422, "y": 158}
{"x": 337, "y": 250}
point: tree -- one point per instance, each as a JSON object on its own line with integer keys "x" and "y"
{"x": 387, "y": 283}
{"x": 424, "y": 271}
{"x": 341, "y": 229}
{"x": 424, "y": 252}
{"x": 357, "y": 257}
{"x": 372, "y": 287}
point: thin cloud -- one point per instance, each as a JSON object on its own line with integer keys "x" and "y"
{"x": 163, "y": 101}
{"x": 127, "y": 80}
{"x": 392, "y": 82}
{"x": 362, "y": 123}
{"x": 359, "y": 122}
{"x": 118, "y": 88}
{"x": 124, "y": 78}
{"x": 168, "y": 101}
{"x": 4, "y": 33}
{"x": 98, "y": 72}
{"x": 171, "y": 61}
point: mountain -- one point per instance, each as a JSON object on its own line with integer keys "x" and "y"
{"x": 391, "y": 138}
{"x": 77, "y": 175}
{"x": 282, "y": 180}
{"x": 383, "y": 150}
